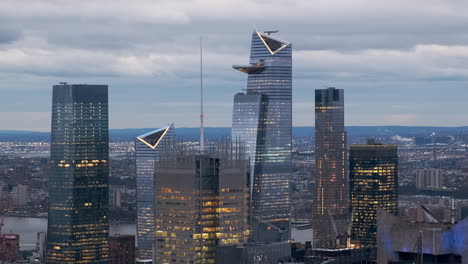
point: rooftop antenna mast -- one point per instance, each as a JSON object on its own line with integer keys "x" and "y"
{"x": 452, "y": 210}
{"x": 202, "y": 131}
{"x": 434, "y": 153}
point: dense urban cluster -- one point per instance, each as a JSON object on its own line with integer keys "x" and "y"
{"x": 27, "y": 171}
{"x": 263, "y": 195}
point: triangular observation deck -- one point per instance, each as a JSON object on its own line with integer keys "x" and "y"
{"x": 152, "y": 139}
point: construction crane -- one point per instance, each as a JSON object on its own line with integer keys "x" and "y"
{"x": 419, "y": 254}
{"x": 418, "y": 250}
{"x": 452, "y": 210}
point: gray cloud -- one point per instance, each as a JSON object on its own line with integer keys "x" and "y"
{"x": 8, "y": 34}
{"x": 403, "y": 51}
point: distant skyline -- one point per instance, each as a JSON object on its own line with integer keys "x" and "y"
{"x": 399, "y": 62}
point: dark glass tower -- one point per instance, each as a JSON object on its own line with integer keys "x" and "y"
{"x": 262, "y": 119}
{"x": 331, "y": 200}
{"x": 78, "y": 226}
{"x": 373, "y": 170}
{"x": 147, "y": 149}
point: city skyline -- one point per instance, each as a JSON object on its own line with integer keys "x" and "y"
{"x": 370, "y": 61}
{"x": 282, "y": 174}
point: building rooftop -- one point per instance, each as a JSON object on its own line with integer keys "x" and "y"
{"x": 153, "y": 138}
{"x": 273, "y": 44}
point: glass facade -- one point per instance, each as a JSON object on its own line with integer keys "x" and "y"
{"x": 202, "y": 201}
{"x": 331, "y": 200}
{"x": 262, "y": 118}
{"x": 248, "y": 110}
{"x": 147, "y": 148}
{"x": 373, "y": 184}
{"x": 78, "y": 224}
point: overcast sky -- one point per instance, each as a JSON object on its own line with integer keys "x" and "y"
{"x": 400, "y": 62}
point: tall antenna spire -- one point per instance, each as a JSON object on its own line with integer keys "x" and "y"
{"x": 202, "y": 131}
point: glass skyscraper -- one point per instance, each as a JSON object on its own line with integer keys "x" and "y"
{"x": 78, "y": 224}
{"x": 373, "y": 184}
{"x": 248, "y": 110}
{"x": 331, "y": 200}
{"x": 147, "y": 149}
{"x": 262, "y": 118}
{"x": 202, "y": 201}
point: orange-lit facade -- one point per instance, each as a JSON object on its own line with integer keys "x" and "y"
{"x": 373, "y": 185}
{"x": 202, "y": 201}
{"x": 146, "y": 155}
{"x": 331, "y": 199}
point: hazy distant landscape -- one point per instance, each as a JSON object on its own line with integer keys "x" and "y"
{"x": 215, "y": 133}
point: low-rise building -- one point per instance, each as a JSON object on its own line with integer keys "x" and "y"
{"x": 426, "y": 239}
{"x": 429, "y": 179}
{"x": 253, "y": 253}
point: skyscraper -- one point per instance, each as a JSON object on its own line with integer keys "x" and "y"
{"x": 248, "y": 110}
{"x": 331, "y": 201}
{"x": 78, "y": 224}
{"x": 373, "y": 184}
{"x": 202, "y": 201}
{"x": 147, "y": 149}
{"x": 262, "y": 118}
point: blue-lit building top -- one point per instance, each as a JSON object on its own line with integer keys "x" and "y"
{"x": 425, "y": 241}
{"x": 147, "y": 150}
{"x": 263, "y": 119}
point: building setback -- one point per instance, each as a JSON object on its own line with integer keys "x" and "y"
{"x": 331, "y": 199}
{"x": 373, "y": 184}
{"x": 78, "y": 224}
{"x": 147, "y": 148}
{"x": 202, "y": 201}
{"x": 262, "y": 118}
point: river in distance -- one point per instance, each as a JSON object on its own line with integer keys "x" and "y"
{"x": 28, "y": 227}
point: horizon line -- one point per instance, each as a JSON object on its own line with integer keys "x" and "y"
{"x": 424, "y": 126}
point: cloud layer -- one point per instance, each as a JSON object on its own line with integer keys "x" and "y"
{"x": 400, "y": 62}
